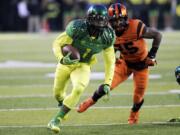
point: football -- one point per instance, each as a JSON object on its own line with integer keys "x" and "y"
{"x": 74, "y": 52}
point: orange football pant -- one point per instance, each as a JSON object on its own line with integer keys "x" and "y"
{"x": 140, "y": 79}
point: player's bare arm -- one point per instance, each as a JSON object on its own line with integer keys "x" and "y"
{"x": 154, "y": 34}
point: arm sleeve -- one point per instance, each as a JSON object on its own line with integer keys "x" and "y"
{"x": 61, "y": 40}
{"x": 109, "y": 61}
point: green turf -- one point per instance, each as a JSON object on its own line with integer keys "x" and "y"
{"x": 148, "y": 129}
{"x": 29, "y": 88}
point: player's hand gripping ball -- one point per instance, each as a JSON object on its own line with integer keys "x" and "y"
{"x": 71, "y": 55}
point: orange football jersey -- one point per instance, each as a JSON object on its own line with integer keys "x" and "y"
{"x": 132, "y": 47}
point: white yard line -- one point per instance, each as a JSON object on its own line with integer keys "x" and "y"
{"x": 86, "y": 94}
{"x": 26, "y": 85}
{"x": 22, "y": 77}
{"x": 84, "y": 125}
{"x": 24, "y": 64}
{"x": 30, "y": 64}
{"x": 101, "y": 75}
{"x": 100, "y": 107}
{"x": 45, "y": 85}
{"x": 26, "y": 96}
{"x": 93, "y": 76}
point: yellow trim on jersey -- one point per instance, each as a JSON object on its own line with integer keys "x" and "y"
{"x": 61, "y": 40}
{"x": 109, "y": 61}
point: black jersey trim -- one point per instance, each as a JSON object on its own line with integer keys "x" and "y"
{"x": 144, "y": 30}
{"x": 139, "y": 28}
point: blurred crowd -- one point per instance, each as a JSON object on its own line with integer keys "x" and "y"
{"x": 53, "y": 15}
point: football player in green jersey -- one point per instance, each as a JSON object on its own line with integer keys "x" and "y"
{"x": 177, "y": 75}
{"x": 89, "y": 36}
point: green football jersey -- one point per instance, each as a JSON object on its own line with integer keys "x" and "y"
{"x": 86, "y": 45}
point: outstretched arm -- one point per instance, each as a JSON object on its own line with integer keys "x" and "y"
{"x": 151, "y": 33}
{"x": 109, "y": 61}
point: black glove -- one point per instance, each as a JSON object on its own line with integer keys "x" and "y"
{"x": 150, "y": 60}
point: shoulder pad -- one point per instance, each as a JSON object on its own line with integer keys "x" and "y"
{"x": 108, "y": 36}
{"x": 76, "y": 28}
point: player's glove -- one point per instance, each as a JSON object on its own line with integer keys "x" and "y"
{"x": 106, "y": 89}
{"x": 66, "y": 60}
{"x": 150, "y": 61}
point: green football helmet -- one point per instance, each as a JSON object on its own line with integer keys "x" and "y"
{"x": 177, "y": 74}
{"x": 97, "y": 16}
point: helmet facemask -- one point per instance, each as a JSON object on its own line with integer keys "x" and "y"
{"x": 97, "y": 20}
{"x": 118, "y": 18}
{"x": 119, "y": 24}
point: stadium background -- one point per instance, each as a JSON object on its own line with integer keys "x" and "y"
{"x": 53, "y": 15}
{"x": 27, "y": 66}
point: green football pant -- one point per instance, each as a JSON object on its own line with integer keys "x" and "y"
{"x": 79, "y": 75}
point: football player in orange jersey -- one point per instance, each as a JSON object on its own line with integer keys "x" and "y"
{"x": 134, "y": 57}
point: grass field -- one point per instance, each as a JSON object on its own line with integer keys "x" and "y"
{"x": 27, "y": 105}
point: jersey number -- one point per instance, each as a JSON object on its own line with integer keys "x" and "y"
{"x": 127, "y": 48}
